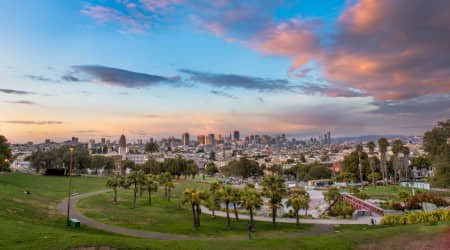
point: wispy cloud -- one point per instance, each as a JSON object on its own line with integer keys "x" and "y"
{"x": 16, "y": 92}
{"x": 28, "y": 122}
{"x": 22, "y": 102}
{"x": 224, "y": 94}
{"x": 39, "y": 78}
{"x": 110, "y": 76}
{"x": 238, "y": 81}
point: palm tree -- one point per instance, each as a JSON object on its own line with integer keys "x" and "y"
{"x": 371, "y": 146}
{"x": 382, "y": 148}
{"x": 227, "y": 194}
{"x": 297, "y": 201}
{"x": 152, "y": 186}
{"x": 236, "y": 199}
{"x": 397, "y": 147}
{"x": 406, "y": 151}
{"x": 114, "y": 182}
{"x": 136, "y": 178}
{"x": 359, "y": 150}
{"x": 274, "y": 189}
{"x": 165, "y": 179}
{"x": 192, "y": 197}
{"x": 213, "y": 203}
{"x": 251, "y": 200}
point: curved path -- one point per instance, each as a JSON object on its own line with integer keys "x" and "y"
{"x": 323, "y": 226}
{"x": 62, "y": 207}
{"x": 359, "y": 221}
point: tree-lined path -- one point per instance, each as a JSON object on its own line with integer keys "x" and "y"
{"x": 319, "y": 228}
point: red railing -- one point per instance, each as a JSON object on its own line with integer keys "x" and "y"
{"x": 360, "y": 204}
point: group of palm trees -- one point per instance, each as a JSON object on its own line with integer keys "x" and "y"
{"x": 400, "y": 164}
{"x": 247, "y": 198}
{"x": 141, "y": 182}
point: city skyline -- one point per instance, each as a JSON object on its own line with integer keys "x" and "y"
{"x": 94, "y": 69}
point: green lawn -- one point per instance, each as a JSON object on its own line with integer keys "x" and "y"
{"x": 31, "y": 222}
{"x": 172, "y": 217}
{"x": 392, "y": 191}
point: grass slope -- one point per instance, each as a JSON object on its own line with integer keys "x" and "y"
{"x": 30, "y": 222}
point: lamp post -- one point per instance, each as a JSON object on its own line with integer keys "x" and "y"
{"x": 70, "y": 185}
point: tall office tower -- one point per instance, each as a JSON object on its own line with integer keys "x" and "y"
{"x": 103, "y": 141}
{"x": 123, "y": 147}
{"x": 219, "y": 138}
{"x": 329, "y": 137}
{"x": 236, "y": 135}
{"x": 75, "y": 139}
{"x": 185, "y": 139}
{"x": 210, "y": 139}
{"x": 201, "y": 139}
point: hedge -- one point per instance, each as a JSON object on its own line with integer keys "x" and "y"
{"x": 417, "y": 217}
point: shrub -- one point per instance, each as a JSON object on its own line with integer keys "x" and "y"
{"x": 417, "y": 217}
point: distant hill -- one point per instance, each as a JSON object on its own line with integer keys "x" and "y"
{"x": 366, "y": 138}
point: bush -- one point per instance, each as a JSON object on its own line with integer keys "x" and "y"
{"x": 417, "y": 217}
{"x": 397, "y": 206}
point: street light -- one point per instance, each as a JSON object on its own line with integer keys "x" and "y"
{"x": 70, "y": 186}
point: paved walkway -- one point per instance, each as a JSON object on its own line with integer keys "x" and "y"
{"x": 323, "y": 225}
{"x": 62, "y": 207}
{"x": 359, "y": 221}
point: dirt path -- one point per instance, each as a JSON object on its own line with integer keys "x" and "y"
{"x": 319, "y": 228}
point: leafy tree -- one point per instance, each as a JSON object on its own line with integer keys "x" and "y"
{"x": 151, "y": 182}
{"x": 114, "y": 182}
{"x": 435, "y": 143}
{"x": 243, "y": 168}
{"x": 302, "y": 158}
{"x": 191, "y": 168}
{"x": 152, "y": 166}
{"x": 99, "y": 162}
{"x": 421, "y": 162}
{"x": 276, "y": 169}
{"x": 251, "y": 200}
{"x": 211, "y": 169}
{"x": 332, "y": 195}
{"x": 127, "y": 164}
{"x": 5, "y": 154}
{"x": 354, "y": 162}
{"x": 274, "y": 189}
{"x": 137, "y": 179}
{"x": 151, "y": 147}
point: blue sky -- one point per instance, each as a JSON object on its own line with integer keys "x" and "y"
{"x": 152, "y": 68}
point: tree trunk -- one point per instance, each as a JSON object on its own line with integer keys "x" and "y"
{"x": 213, "y": 213}
{"x": 149, "y": 197}
{"x": 274, "y": 214}
{"x": 306, "y": 211}
{"x": 168, "y": 194}
{"x": 373, "y": 178}
{"x": 251, "y": 217}
{"x": 297, "y": 221}
{"x": 198, "y": 214}
{"x": 134, "y": 196}
{"x": 235, "y": 212}
{"x": 194, "y": 214}
{"x": 141, "y": 190}
{"x": 228, "y": 215}
{"x": 115, "y": 195}
{"x": 165, "y": 192}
